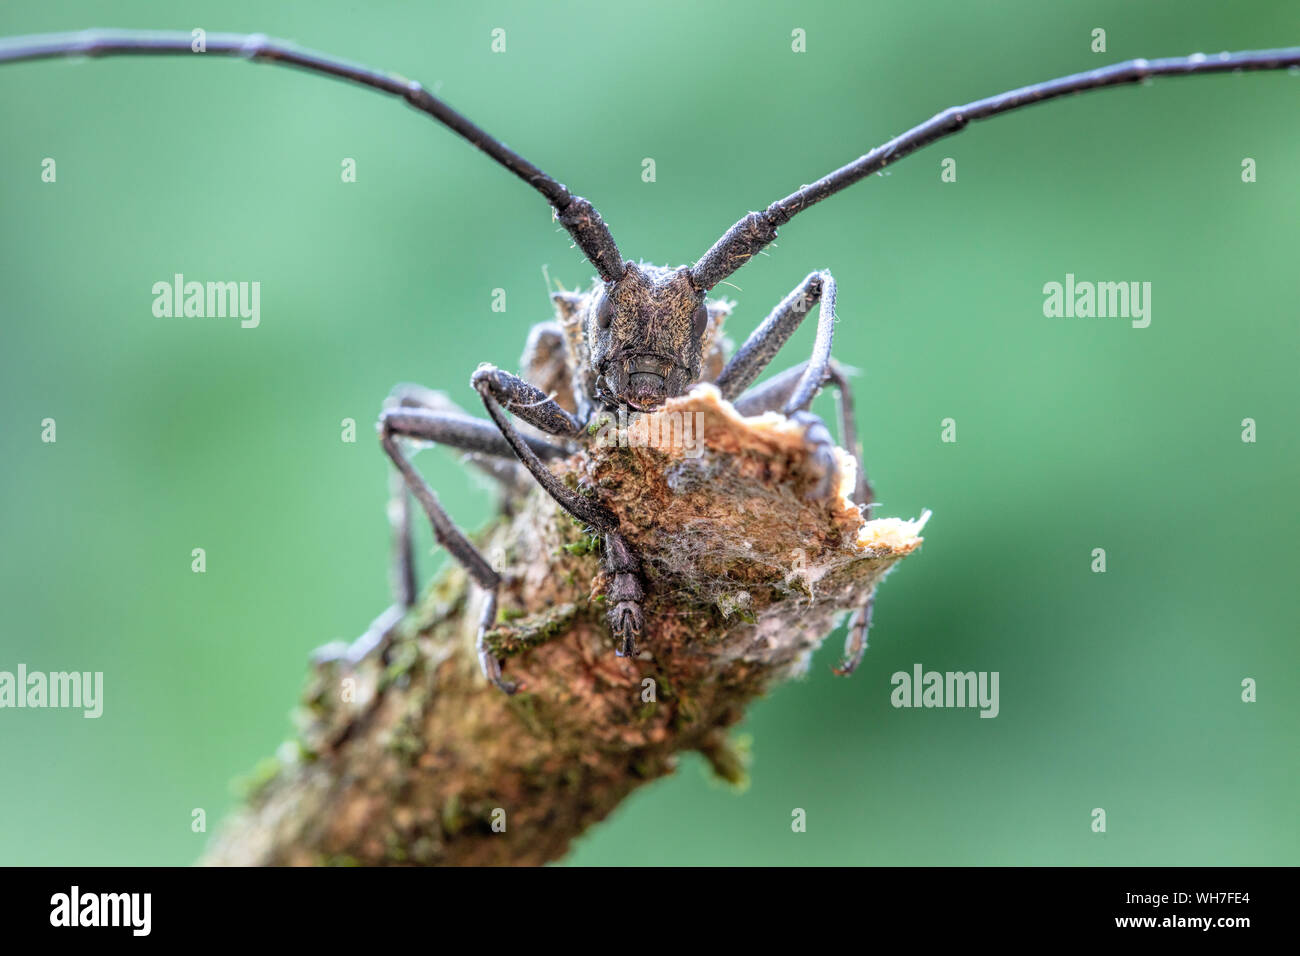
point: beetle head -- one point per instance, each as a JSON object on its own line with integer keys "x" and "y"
{"x": 645, "y": 332}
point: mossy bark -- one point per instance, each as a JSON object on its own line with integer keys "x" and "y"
{"x": 409, "y": 756}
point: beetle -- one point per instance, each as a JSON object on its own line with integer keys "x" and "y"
{"x": 639, "y": 336}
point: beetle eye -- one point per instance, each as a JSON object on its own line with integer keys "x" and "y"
{"x": 701, "y": 320}
{"x": 604, "y": 312}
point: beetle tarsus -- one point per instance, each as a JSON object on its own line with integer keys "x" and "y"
{"x": 855, "y": 645}
{"x": 626, "y": 622}
{"x": 489, "y": 662}
{"x": 821, "y": 448}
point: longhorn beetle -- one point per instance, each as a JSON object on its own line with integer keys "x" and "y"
{"x": 638, "y": 336}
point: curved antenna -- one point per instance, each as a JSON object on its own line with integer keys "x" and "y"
{"x": 576, "y": 214}
{"x": 757, "y": 229}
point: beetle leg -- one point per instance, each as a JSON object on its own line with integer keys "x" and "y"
{"x": 855, "y": 644}
{"x": 623, "y": 600}
{"x": 470, "y": 434}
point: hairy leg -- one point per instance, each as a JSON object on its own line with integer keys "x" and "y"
{"x": 855, "y": 643}
{"x": 452, "y": 427}
{"x": 793, "y": 391}
{"x": 762, "y": 345}
{"x": 765, "y": 342}
{"x": 501, "y": 390}
{"x": 545, "y": 363}
{"x": 459, "y": 431}
{"x": 773, "y": 394}
{"x": 625, "y": 594}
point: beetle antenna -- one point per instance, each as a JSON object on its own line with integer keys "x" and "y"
{"x": 748, "y": 236}
{"x": 576, "y": 214}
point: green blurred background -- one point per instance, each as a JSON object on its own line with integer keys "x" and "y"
{"x": 1118, "y": 690}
